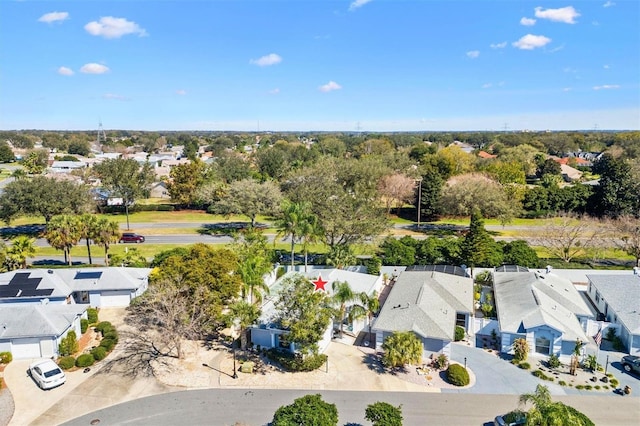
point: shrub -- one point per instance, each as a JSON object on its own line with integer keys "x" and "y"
{"x": 67, "y": 362}
{"x": 383, "y": 414}
{"x": 69, "y": 344}
{"x": 6, "y": 357}
{"x": 562, "y": 383}
{"x": 84, "y": 324}
{"x": 92, "y": 315}
{"x": 514, "y": 416}
{"x": 112, "y": 334}
{"x": 296, "y": 362}
{"x": 554, "y": 361}
{"x": 459, "y": 333}
{"x": 107, "y": 344}
{"x": 611, "y": 333}
{"x": 597, "y": 387}
{"x": 99, "y": 353}
{"x": 524, "y": 365}
{"x": 588, "y": 387}
{"x": 617, "y": 344}
{"x": 104, "y": 327}
{"x": 579, "y": 387}
{"x": 441, "y": 362}
{"x": 458, "y": 375}
{"x": 85, "y": 360}
{"x": 615, "y": 383}
{"x": 520, "y": 349}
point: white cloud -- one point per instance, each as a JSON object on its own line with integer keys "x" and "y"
{"x": 115, "y": 97}
{"x": 566, "y": 89}
{"x": 498, "y": 45}
{"x": 527, "y": 22}
{"x": 65, "y": 71}
{"x": 563, "y": 14}
{"x": 487, "y": 85}
{"x": 530, "y": 42}
{"x": 608, "y": 4}
{"x": 606, "y": 67}
{"x": 274, "y": 91}
{"x": 330, "y": 87}
{"x": 606, "y": 86}
{"x": 267, "y": 60}
{"x": 473, "y": 54}
{"x": 357, "y": 3}
{"x": 54, "y": 17}
{"x": 110, "y": 27}
{"x": 94, "y": 68}
{"x": 181, "y": 92}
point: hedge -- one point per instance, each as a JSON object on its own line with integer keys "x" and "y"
{"x": 107, "y": 344}
{"x": 458, "y": 375}
{"x": 67, "y": 362}
{"x": 104, "y": 327}
{"x": 138, "y": 208}
{"x": 85, "y": 360}
{"x": 84, "y": 324}
{"x": 296, "y": 362}
{"x": 459, "y": 333}
{"x": 99, "y": 353}
{"x": 92, "y": 315}
{"x": 6, "y": 357}
{"x": 112, "y": 334}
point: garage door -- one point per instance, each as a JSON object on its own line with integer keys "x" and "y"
{"x": 25, "y": 348}
{"x": 115, "y": 298}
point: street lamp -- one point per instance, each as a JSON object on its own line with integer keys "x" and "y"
{"x": 233, "y": 348}
{"x": 465, "y": 362}
{"x": 419, "y": 199}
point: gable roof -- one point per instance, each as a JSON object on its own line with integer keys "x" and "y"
{"x": 37, "y": 320}
{"x": 426, "y": 303}
{"x": 531, "y": 299}
{"x": 105, "y": 278}
{"x": 32, "y": 284}
{"x": 622, "y": 293}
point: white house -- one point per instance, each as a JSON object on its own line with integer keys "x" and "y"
{"x": 617, "y": 298}
{"x": 429, "y": 300}
{"x": 32, "y": 286}
{"x": 541, "y": 307}
{"x": 35, "y": 330}
{"x": 266, "y": 334}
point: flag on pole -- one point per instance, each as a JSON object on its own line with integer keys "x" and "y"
{"x": 598, "y": 337}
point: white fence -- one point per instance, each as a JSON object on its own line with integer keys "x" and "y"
{"x": 485, "y": 326}
{"x": 594, "y": 326}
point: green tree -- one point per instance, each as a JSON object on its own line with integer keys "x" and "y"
{"x": 254, "y": 262}
{"x": 249, "y": 198}
{"x": 340, "y": 256}
{"x": 21, "y": 248}
{"x": 383, "y": 414}
{"x": 303, "y": 312}
{"x": 545, "y": 412}
{"x": 400, "y": 348}
{"x": 131, "y": 258}
{"x": 367, "y": 306}
{"x": 79, "y": 147}
{"x": 290, "y": 222}
{"x": 477, "y": 248}
{"x": 430, "y": 191}
{"x": 185, "y": 182}
{"x": 617, "y": 193}
{"x": 63, "y": 232}
{"x": 88, "y": 229}
{"x": 398, "y": 251}
{"x": 519, "y": 252}
{"x": 36, "y": 161}
{"x": 520, "y": 349}
{"x": 342, "y": 295}
{"x": 6, "y": 154}
{"x": 243, "y": 314}
{"x": 309, "y": 410}
{"x": 126, "y": 179}
{"x": 105, "y": 233}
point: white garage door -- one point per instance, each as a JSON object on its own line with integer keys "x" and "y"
{"x": 25, "y": 348}
{"x": 115, "y": 298}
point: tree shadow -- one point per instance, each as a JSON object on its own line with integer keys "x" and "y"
{"x": 227, "y": 228}
{"x": 31, "y": 230}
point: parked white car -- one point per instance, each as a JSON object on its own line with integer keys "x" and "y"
{"x": 47, "y": 374}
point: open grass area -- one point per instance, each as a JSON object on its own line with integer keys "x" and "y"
{"x": 97, "y": 252}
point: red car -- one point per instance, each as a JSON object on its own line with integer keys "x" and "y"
{"x": 130, "y": 237}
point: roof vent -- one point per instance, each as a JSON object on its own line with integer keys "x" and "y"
{"x": 636, "y": 271}
{"x": 50, "y": 271}
{"x": 548, "y": 268}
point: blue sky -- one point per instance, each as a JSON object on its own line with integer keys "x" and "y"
{"x": 304, "y": 65}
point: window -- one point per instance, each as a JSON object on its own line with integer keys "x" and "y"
{"x": 543, "y": 345}
{"x": 461, "y": 320}
{"x": 597, "y": 296}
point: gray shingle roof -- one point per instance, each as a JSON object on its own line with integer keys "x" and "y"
{"x": 46, "y": 282}
{"x": 37, "y": 320}
{"x": 531, "y": 299}
{"x": 622, "y": 293}
{"x": 426, "y": 303}
{"x": 105, "y": 278}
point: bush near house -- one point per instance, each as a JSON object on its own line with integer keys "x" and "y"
{"x": 84, "y": 325}
{"x": 67, "y": 362}
{"x": 104, "y": 327}
{"x": 6, "y": 357}
{"x": 441, "y": 362}
{"x": 295, "y": 362}
{"x": 69, "y": 344}
{"x": 459, "y": 333}
{"x": 92, "y": 315}
{"x": 99, "y": 353}
{"x": 458, "y": 375}
{"x": 107, "y": 344}
{"x": 85, "y": 360}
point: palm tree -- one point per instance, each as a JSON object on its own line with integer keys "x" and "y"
{"x": 340, "y": 256}
{"x": 289, "y": 223}
{"x": 88, "y": 229}
{"x": 106, "y": 233}
{"x": 21, "y": 248}
{"x": 402, "y": 347}
{"x": 310, "y": 232}
{"x": 254, "y": 262}
{"x": 368, "y": 306}
{"x": 243, "y": 314}
{"x": 342, "y": 294}
{"x": 63, "y": 233}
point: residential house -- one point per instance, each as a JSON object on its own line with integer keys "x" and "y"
{"x": 266, "y": 332}
{"x": 569, "y": 174}
{"x": 159, "y": 190}
{"x": 541, "y": 307}
{"x": 67, "y": 166}
{"x": 429, "y": 300}
{"x": 617, "y": 298}
{"x": 33, "y": 286}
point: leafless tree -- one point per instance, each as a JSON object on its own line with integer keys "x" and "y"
{"x": 626, "y": 235}
{"x": 568, "y": 236}
{"x": 396, "y": 189}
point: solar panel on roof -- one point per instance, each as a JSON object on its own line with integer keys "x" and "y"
{"x": 91, "y": 275}
{"x": 21, "y": 285}
{"x": 445, "y": 269}
{"x": 511, "y": 268}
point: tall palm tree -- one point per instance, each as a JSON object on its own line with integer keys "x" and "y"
{"x": 310, "y": 232}
{"x": 106, "y": 233}
{"x": 254, "y": 262}
{"x": 289, "y": 223}
{"x": 340, "y": 256}
{"x": 243, "y": 314}
{"x": 63, "y": 233}
{"x": 368, "y": 307}
{"x": 21, "y": 248}
{"x": 88, "y": 229}
{"x": 342, "y": 294}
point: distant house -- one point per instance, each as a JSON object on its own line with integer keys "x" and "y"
{"x": 66, "y": 166}
{"x": 463, "y": 146}
{"x": 485, "y": 154}
{"x": 159, "y": 190}
{"x": 617, "y": 298}
{"x": 569, "y": 174}
{"x": 541, "y": 307}
{"x": 267, "y": 334}
{"x": 35, "y": 331}
{"x": 429, "y": 301}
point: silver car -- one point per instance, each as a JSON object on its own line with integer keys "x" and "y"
{"x": 46, "y": 374}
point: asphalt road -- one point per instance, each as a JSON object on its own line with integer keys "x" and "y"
{"x": 256, "y": 407}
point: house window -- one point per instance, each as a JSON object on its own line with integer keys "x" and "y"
{"x": 543, "y": 345}
{"x": 597, "y": 296}
{"x": 461, "y": 320}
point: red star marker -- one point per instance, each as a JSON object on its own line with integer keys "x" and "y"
{"x": 320, "y": 283}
